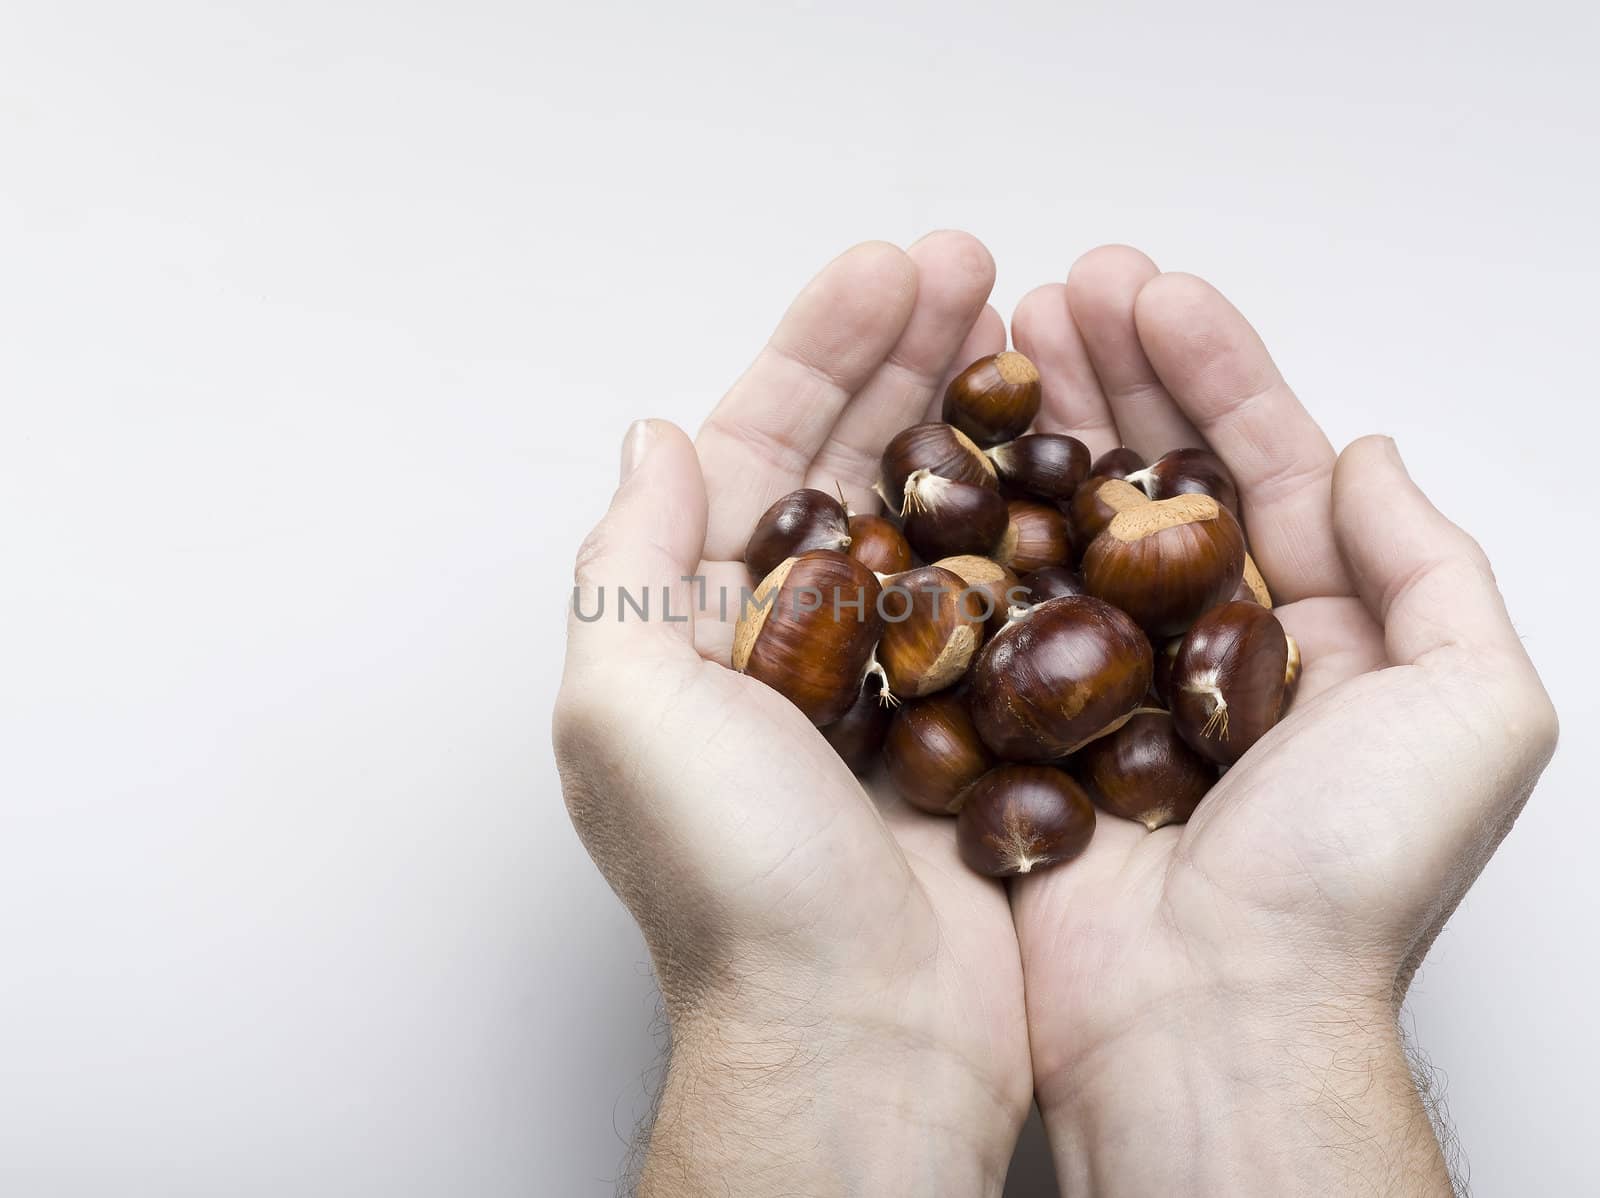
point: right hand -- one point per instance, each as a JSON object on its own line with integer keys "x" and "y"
{"x": 845, "y": 997}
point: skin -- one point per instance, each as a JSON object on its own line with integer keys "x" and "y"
{"x": 1205, "y": 1009}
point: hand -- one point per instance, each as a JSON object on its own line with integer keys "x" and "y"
{"x": 845, "y": 997}
{"x": 1213, "y": 1007}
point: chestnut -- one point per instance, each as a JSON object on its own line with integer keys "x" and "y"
{"x": 1058, "y": 675}
{"x": 801, "y": 520}
{"x": 858, "y": 735}
{"x": 1188, "y": 472}
{"x": 994, "y": 399}
{"x": 1167, "y": 561}
{"x": 1228, "y": 680}
{"x": 809, "y": 630}
{"x": 932, "y": 753}
{"x": 1051, "y": 582}
{"x": 1096, "y": 502}
{"x": 998, "y": 588}
{"x": 932, "y": 448}
{"x": 879, "y": 545}
{"x": 945, "y": 519}
{"x": 933, "y": 625}
{"x": 1145, "y": 771}
{"x": 1117, "y": 463}
{"x": 1044, "y": 465}
{"x": 1252, "y": 586}
{"x": 1036, "y": 536}
{"x": 1292, "y": 667}
{"x": 1019, "y": 818}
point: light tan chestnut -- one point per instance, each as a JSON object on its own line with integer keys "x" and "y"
{"x": 809, "y": 631}
{"x": 1095, "y": 504}
{"x": 1036, "y": 536}
{"x": 933, "y": 626}
{"x": 998, "y": 589}
{"x": 1228, "y": 680}
{"x": 994, "y": 399}
{"x": 1167, "y": 562}
{"x": 1252, "y": 586}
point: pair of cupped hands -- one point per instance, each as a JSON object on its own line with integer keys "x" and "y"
{"x": 1208, "y": 1008}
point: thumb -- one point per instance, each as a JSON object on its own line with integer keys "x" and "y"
{"x": 632, "y": 583}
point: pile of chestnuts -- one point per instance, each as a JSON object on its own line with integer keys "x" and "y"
{"x": 1031, "y": 635}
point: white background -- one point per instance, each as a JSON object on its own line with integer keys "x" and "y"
{"x": 319, "y": 328}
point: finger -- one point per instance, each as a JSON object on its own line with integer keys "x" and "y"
{"x": 631, "y": 578}
{"x": 986, "y": 337}
{"x": 1424, "y": 579}
{"x": 1042, "y": 328}
{"x": 760, "y": 440}
{"x": 954, "y": 276}
{"x": 1217, "y": 368}
{"x": 1101, "y": 289}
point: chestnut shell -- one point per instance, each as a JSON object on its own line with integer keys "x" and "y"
{"x": 799, "y": 521}
{"x": 1096, "y": 503}
{"x": 1018, "y": 819}
{"x": 947, "y": 519}
{"x": 1052, "y": 582}
{"x": 933, "y": 626}
{"x": 879, "y": 546}
{"x": 1000, "y": 586}
{"x": 939, "y": 449}
{"x": 1145, "y": 771}
{"x": 1044, "y": 465}
{"x": 1189, "y": 472}
{"x": 932, "y": 752}
{"x": 811, "y": 643}
{"x": 1228, "y": 680}
{"x": 1056, "y": 677}
{"x": 1167, "y": 562}
{"x": 1117, "y": 463}
{"x": 994, "y": 399}
{"x": 1037, "y": 535}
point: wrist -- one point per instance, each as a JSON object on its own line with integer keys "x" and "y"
{"x": 1245, "y": 1096}
{"x": 758, "y": 1109}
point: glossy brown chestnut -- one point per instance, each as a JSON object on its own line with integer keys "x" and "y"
{"x": 1036, "y": 536}
{"x": 1144, "y": 771}
{"x": 945, "y": 519}
{"x": 1188, "y": 472}
{"x": 1117, "y": 463}
{"x": 1291, "y": 674}
{"x": 1044, "y": 465}
{"x": 1252, "y": 586}
{"x": 932, "y": 449}
{"x": 994, "y": 399}
{"x": 801, "y": 520}
{"x": 1000, "y": 590}
{"x": 1166, "y": 562}
{"x": 1057, "y": 676}
{"x": 809, "y": 631}
{"x": 1052, "y": 582}
{"x": 933, "y": 626}
{"x": 932, "y": 753}
{"x": 858, "y": 735}
{"x": 1018, "y": 819}
{"x": 1228, "y": 680}
{"x": 1096, "y": 503}
{"x": 879, "y": 545}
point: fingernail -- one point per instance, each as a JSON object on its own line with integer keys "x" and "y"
{"x": 1394, "y": 452}
{"x": 635, "y": 445}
